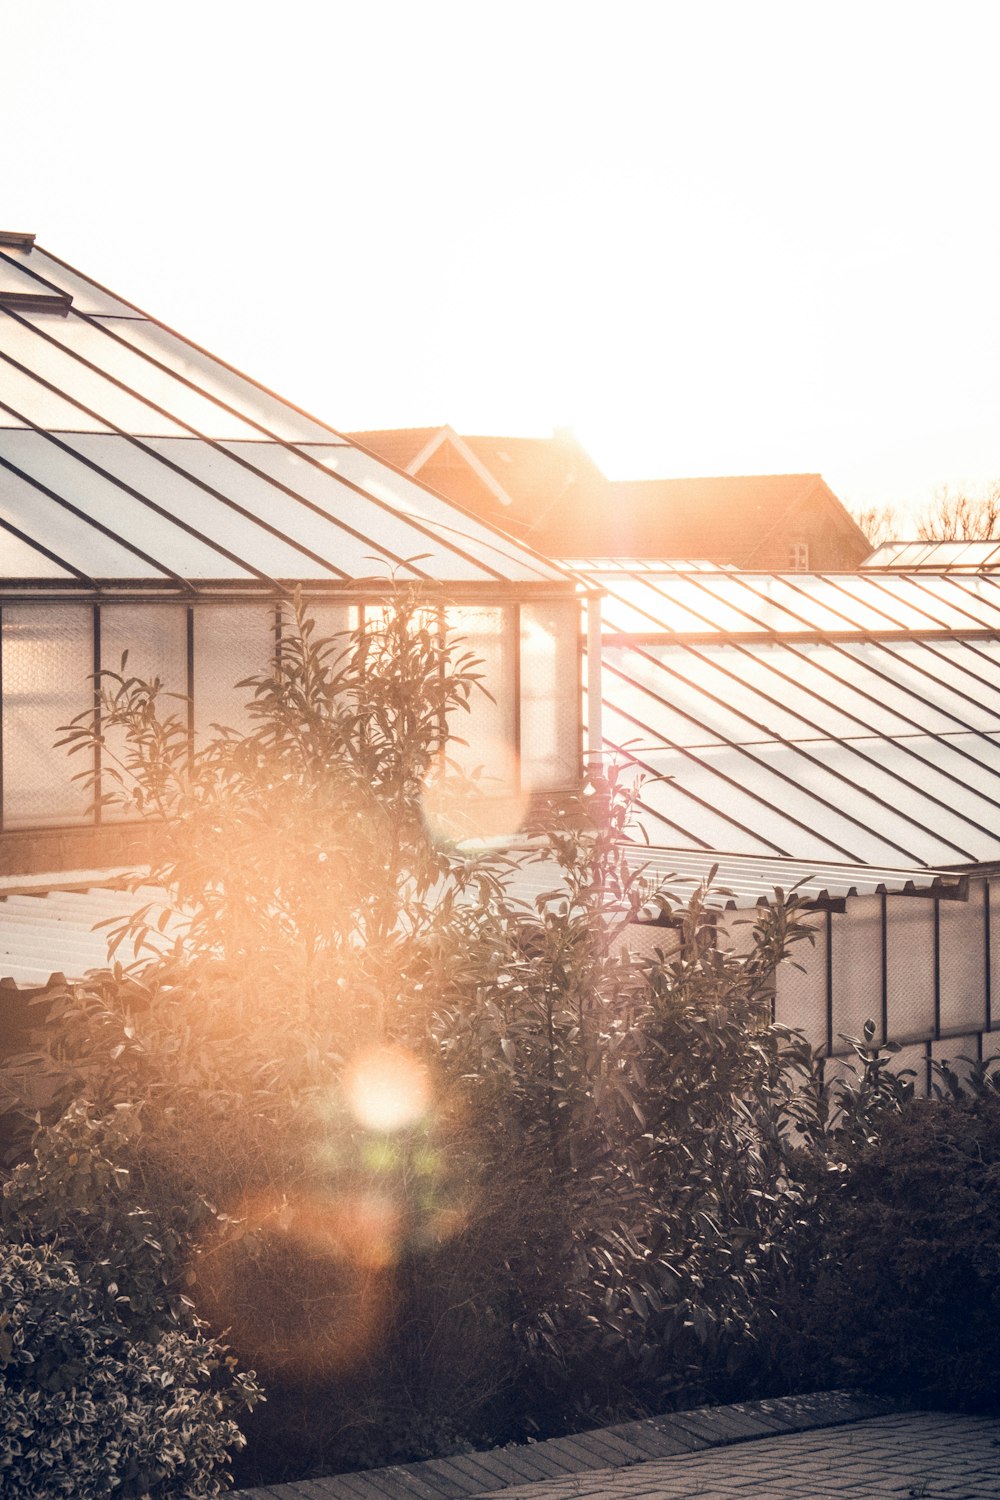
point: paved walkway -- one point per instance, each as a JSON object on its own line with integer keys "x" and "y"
{"x": 836, "y": 1444}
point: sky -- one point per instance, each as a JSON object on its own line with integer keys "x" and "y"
{"x": 708, "y": 237}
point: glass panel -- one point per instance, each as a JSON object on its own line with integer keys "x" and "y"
{"x": 550, "y": 695}
{"x": 63, "y": 533}
{"x": 87, "y": 297}
{"x": 857, "y": 967}
{"x": 211, "y": 518}
{"x": 16, "y": 279}
{"x": 963, "y": 962}
{"x": 991, "y": 1045}
{"x": 488, "y": 728}
{"x": 217, "y": 380}
{"x": 19, "y": 560}
{"x": 31, "y": 402}
{"x": 155, "y": 637}
{"x": 640, "y": 691}
{"x": 331, "y": 621}
{"x": 123, "y": 515}
{"x": 800, "y": 993}
{"x": 231, "y": 641}
{"x": 94, "y": 341}
{"x": 114, "y": 407}
{"x": 48, "y": 656}
{"x": 300, "y": 523}
{"x": 910, "y": 956}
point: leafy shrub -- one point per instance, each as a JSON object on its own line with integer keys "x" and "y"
{"x": 88, "y": 1410}
{"x": 594, "y": 1194}
{"x": 897, "y": 1284}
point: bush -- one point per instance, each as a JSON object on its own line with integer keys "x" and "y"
{"x": 586, "y": 1192}
{"x": 897, "y": 1284}
{"x": 89, "y": 1411}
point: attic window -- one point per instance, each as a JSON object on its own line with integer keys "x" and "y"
{"x": 798, "y": 557}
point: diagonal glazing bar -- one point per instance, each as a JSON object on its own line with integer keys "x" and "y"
{"x": 814, "y": 796}
{"x": 797, "y": 748}
{"x": 178, "y": 469}
{"x": 98, "y": 526}
{"x": 129, "y": 489}
{"x": 224, "y": 451}
{"x": 723, "y": 776}
{"x": 53, "y": 557}
{"x": 799, "y": 686}
{"x": 543, "y": 567}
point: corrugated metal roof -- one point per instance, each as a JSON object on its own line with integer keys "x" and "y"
{"x": 841, "y": 718}
{"x": 48, "y": 933}
{"x": 53, "y": 926}
{"x": 129, "y": 456}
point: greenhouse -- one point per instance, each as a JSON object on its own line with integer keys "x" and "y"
{"x": 153, "y": 499}
{"x": 836, "y": 733}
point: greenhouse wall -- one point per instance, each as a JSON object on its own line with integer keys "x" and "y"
{"x": 924, "y": 969}
{"x": 524, "y": 732}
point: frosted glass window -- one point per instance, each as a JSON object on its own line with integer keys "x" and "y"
{"x": 800, "y": 988}
{"x": 910, "y": 949}
{"x": 488, "y": 727}
{"x": 155, "y": 637}
{"x": 958, "y": 1053}
{"x": 231, "y": 641}
{"x": 47, "y": 659}
{"x": 331, "y": 620}
{"x": 550, "y": 695}
{"x": 963, "y": 962}
{"x": 857, "y": 967}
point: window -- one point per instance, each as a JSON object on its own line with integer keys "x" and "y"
{"x": 798, "y": 557}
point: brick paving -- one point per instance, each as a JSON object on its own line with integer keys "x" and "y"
{"x": 765, "y": 1450}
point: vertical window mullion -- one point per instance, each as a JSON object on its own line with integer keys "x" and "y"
{"x": 98, "y": 767}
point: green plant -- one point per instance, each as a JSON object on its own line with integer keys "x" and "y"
{"x": 589, "y": 1190}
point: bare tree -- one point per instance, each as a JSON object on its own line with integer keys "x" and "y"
{"x": 878, "y": 522}
{"x": 955, "y": 516}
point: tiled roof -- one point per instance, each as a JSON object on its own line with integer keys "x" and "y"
{"x": 131, "y": 457}
{"x": 844, "y": 718}
{"x": 399, "y": 445}
{"x": 557, "y": 499}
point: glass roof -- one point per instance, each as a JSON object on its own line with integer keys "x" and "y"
{"x": 127, "y": 453}
{"x": 842, "y": 718}
{"x": 937, "y": 556}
